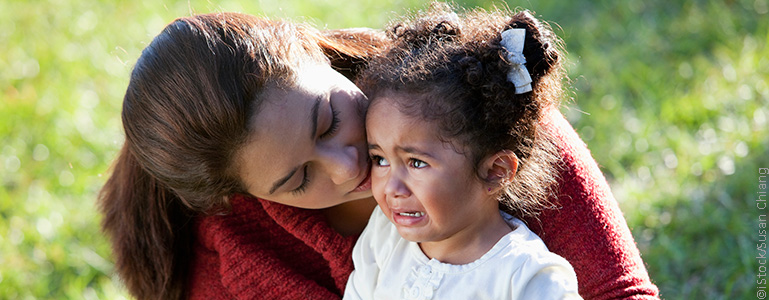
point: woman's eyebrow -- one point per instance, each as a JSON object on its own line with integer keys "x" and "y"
{"x": 313, "y": 129}
{"x": 314, "y": 117}
{"x": 278, "y": 183}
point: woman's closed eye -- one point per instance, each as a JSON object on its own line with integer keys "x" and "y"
{"x": 333, "y": 127}
{"x": 302, "y": 186}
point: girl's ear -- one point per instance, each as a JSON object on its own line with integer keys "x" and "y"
{"x": 499, "y": 169}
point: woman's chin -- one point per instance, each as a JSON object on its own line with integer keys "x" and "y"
{"x": 362, "y": 195}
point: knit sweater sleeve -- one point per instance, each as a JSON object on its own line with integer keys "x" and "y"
{"x": 263, "y": 250}
{"x": 588, "y": 228}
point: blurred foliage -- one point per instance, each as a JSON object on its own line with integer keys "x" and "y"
{"x": 670, "y": 96}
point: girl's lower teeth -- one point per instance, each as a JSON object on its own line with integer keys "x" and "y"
{"x": 415, "y": 215}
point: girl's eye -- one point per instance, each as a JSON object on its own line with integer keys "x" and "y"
{"x": 303, "y": 186}
{"x": 334, "y": 124}
{"x": 379, "y": 161}
{"x": 415, "y": 163}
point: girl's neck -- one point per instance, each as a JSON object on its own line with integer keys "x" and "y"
{"x": 350, "y": 218}
{"x": 469, "y": 245}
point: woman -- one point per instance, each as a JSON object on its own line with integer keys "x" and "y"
{"x": 225, "y": 110}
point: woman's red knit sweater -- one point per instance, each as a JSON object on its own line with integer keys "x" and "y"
{"x": 265, "y": 250}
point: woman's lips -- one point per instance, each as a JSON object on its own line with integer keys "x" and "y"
{"x": 364, "y": 185}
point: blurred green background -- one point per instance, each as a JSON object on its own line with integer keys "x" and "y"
{"x": 670, "y": 96}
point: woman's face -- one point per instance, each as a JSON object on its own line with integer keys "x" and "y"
{"x": 308, "y": 145}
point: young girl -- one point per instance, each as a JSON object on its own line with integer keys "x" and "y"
{"x": 453, "y": 133}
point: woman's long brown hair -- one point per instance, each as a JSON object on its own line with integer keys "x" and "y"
{"x": 185, "y": 113}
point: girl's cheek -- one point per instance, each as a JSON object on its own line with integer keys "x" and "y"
{"x": 377, "y": 184}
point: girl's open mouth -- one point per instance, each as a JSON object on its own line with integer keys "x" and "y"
{"x": 412, "y": 214}
{"x": 408, "y": 218}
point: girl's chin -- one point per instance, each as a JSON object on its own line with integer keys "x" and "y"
{"x": 409, "y": 235}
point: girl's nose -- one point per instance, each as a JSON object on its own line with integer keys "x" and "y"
{"x": 395, "y": 187}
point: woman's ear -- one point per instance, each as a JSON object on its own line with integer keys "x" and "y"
{"x": 499, "y": 169}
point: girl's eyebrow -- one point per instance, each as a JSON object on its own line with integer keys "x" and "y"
{"x": 406, "y": 149}
{"x": 413, "y": 150}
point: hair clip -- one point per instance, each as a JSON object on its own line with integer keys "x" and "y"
{"x": 513, "y": 40}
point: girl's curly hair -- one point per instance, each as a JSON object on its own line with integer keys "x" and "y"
{"x": 454, "y": 71}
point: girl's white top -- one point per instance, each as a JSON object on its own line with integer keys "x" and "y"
{"x": 519, "y": 266}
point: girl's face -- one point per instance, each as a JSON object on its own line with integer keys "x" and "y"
{"x": 423, "y": 185}
{"x": 308, "y": 146}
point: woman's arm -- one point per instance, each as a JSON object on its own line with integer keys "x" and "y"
{"x": 587, "y": 227}
{"x": 265, "y": 250}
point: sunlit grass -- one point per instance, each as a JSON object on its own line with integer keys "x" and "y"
{"x": 671, "y": 98}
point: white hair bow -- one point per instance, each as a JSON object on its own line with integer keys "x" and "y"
{"x": 512, "y": 41}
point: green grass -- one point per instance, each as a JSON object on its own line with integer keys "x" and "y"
{"x": 670, "y": 96}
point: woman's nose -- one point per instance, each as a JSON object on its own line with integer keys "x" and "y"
{"x": 343, "y": 164}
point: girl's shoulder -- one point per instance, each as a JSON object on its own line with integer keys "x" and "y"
{"x": 528, "y": 247}
{"x": 380, "y": 236}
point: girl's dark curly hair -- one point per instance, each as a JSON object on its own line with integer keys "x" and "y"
{"x": 454, "y": 72}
